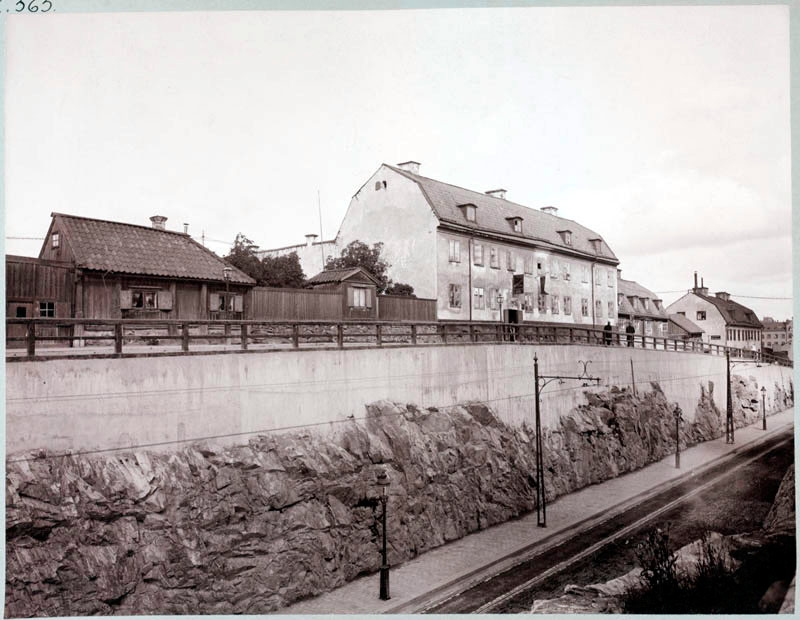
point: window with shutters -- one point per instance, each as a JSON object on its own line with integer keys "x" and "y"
{"x": 144, "y": 300}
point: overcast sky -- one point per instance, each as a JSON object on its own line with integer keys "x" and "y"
{"x": 665, "y": 129}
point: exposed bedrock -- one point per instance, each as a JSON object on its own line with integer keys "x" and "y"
{"x": 251, "y": 528}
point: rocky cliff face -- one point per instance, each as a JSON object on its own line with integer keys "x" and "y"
{"x": 249, "y": 529}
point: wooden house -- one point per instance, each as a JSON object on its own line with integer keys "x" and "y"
{"x": 147, "y": 272}
{"x": 358, "y": 289}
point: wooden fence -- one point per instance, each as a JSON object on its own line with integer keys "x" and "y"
{"x": 294, "y": 304}
{"x": 402, "y": 308}
{"x": 177, "y": 335}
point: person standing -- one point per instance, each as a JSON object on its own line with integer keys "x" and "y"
{"x": 607, "y": 333}
{"x": 630, "y": 330}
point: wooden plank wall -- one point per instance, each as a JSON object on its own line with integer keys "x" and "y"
{"x": 294, "y": 304}
{"x": 30, "y": 280}
{"x": 401, "y": 308}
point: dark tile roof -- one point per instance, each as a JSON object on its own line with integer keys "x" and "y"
{"x": 685, "y": 324}
{"x": 333, "y": 276}
{"x": 735, "y": 314}
{"x": 629, "y": 288}
{"x": 128, "y": 248}
{"x": 492, "y": 214}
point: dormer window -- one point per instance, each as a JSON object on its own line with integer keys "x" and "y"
{"x": 566, "y": 236}
{"x": 469, "y": 210}
{"x": 597, "y": 245}
{"x": 516, "y": 223}
{"x": 55, "y": 240}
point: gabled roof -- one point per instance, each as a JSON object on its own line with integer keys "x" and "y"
{"x": 494, "y": 212}
{"x": 624, "y": 306}
{"x": 685, "y": 324}
{"x": 117, "y": 247}
{"x": 334, "y": 276}
{"x": 629, "y": 288}
{"x": 735, "y": 314}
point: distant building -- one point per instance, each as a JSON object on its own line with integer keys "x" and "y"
{"x": 777, "y": 335}
{"x": 641, "y": 307}
{"x": 312, "y": 254}
{"x": 477, "y": 253}
{"x": 681, "y": 327}
{"x": 722, "y": 320}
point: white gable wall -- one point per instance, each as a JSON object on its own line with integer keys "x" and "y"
{"x": 714, "y": 323}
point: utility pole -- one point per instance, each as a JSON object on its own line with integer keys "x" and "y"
{"x": 678, "y": 420}
{"x": 633, "y": 379}
{"x": 729, "y": 412}
{"x": 541, "y": 382}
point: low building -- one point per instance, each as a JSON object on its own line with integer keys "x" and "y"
{"x": 480, "y": 255}
{"x": 777, "y": 336}
{"x": 642, "y": 308}
{"x": 681, "y": 327}
{"x": 358, "y": 288}
{"x": 723, "y": 321}
{"x": 129, "y": 271}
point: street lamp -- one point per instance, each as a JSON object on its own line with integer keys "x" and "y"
{"x": 226, "y": 275}
{"x": 678, "y": 420}
{"x": 500, "y": 301}
{"x": 763, "y": 408}
{"x": 383, "y": 481}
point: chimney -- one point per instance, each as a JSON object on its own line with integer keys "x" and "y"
{"x": 703, "y": 290}
{"x": 186, "y": 228}
{"x": 310, "y": 239}
{"x": 410, "y": 166}
{"x": 158, "y": 221}
{"x": 497, "y": 193}
{"x": 723, "y": 295}
{"x": 619, "y": 273}
{"x": 550, "y": 210}
{"x": 695, "y": 280}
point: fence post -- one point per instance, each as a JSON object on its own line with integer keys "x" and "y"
{"x": 227, "y": 332}
{"x": 31, "y": 335}
{"x": 295, "y": 335}
{"x": 185, "y": 337}
{"x": 444, "y": 333}
{"x": 571, "y": 339}
{"x": 243, "y": 333}
{"x": 117, "y": 338}
{"x": 414, "y": 334}
{"x": 379, "y": 334}
{"x": 471, "y": 332}
{"x": 340, "y": 335}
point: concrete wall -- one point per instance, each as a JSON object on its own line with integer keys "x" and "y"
{"x": 82, "y": 404}
{"x": 397, "y": 215}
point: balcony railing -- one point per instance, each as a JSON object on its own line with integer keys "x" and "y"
{"x": 45, "y": 338}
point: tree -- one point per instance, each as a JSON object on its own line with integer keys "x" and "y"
{"x": 282, "y": 271}
{"x": 359, "y": 254}
{"x": 398, "y": 288}
{"x": 243, "y": 256}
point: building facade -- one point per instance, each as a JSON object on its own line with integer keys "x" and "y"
{"x": 777, "y": 335}
{"x": 723, "y": 321}
{"x": 481, "y": 256}
{"x": 642, "y": 308}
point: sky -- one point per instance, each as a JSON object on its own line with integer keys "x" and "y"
{"x": 664, "y": 129}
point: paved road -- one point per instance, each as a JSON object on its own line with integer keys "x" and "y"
{"x": 577, "y": 559}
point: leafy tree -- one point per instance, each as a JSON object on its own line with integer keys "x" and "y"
{"x": 243, "y": 256}
{"x": 359, "y": 254}
{"x": 398, "y": 288}
{"x": 282, "y": 271}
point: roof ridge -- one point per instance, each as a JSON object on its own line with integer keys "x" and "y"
{"x": 97, "y": 219}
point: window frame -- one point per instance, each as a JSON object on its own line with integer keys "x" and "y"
{"x": 454, "y": 250}
{"x": 478, "y": 298}
{"x": 494, "y": 261}
{"x": 477, "y": 251}
{"x": 55, "y": 240}
{"x": 49, "y": 309}
{"x": 454, "y": 296}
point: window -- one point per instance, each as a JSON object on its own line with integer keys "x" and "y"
{"x": 539, "y": 266}
{"x": 611, "y": 309}
{"x": 584, "y": 307}
{"x": 597, "y": 277}
{"x": 454, "y": 250}
{"x": 682, "y": 313}
{"x": 554, "y": 269}
{"x": 478, "y": 300}
{"x": 145, "y": 300}
{"x": 517, "y": 225}
{"x": 359, "y": 299}
{"x": 455, "y": 295}
{"x": 610, "y": 278}
{"x": 47, "y": 308}
{"x": 567, "y": 305}
{"x": 378, "y": 185}
{"x": 598, "y": 309}
{"x": 567, "y": 237}
{"x": 477, "y": 254}
{"x": 469, "y": 212}
{"x": 701, "y": 315}
{"x": 517, "y": 284}
{"x": 715, "y": 337}
{"x": 493, "y": 258}
{"x": 55, "y": 240}
{"x": 510, "y": 261}
{"x": 542, "y": 304}
{"x": 22, "y": 312}
{"x": 585, "y": 271}
{"x": 554, "y": 304}
{"x": 646, "y": 303}
{"x": 566, "y": 270}
{"x": 492, "y": 299}
{"x": 529, "y": 265}
{"x": 527, "y": 303}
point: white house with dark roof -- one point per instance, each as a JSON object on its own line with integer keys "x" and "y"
{"x": 476, "y": 252}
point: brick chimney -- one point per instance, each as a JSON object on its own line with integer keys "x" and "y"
{"x": 410, "y": 166}
{"x": 550, "y": 210}
{"x": 497, "y": 193}
{"x": 310, "y": 239}
{"x": 723, "y": 295}
{"x": 158, "y": 222}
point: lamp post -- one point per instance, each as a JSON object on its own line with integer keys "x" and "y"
{"x": 729, "y": 407}
{"x": 226, "y": 275}
{"x": 763, "y": 408}
{"x": 678, "y": 420}
{"x": 500, "y": 301}
{"x": 383, "y": 482}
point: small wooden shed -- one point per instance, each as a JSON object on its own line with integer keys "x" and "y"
{"x": 359, "y": 289}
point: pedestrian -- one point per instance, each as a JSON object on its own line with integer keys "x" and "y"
{"x": 607, "y": 333}
{"x": 630, "y": 330}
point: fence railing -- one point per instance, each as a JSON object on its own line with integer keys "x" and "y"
{"x": 44, "y": 337}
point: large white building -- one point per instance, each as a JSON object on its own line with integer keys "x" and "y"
{"x": 477, "y": 252}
